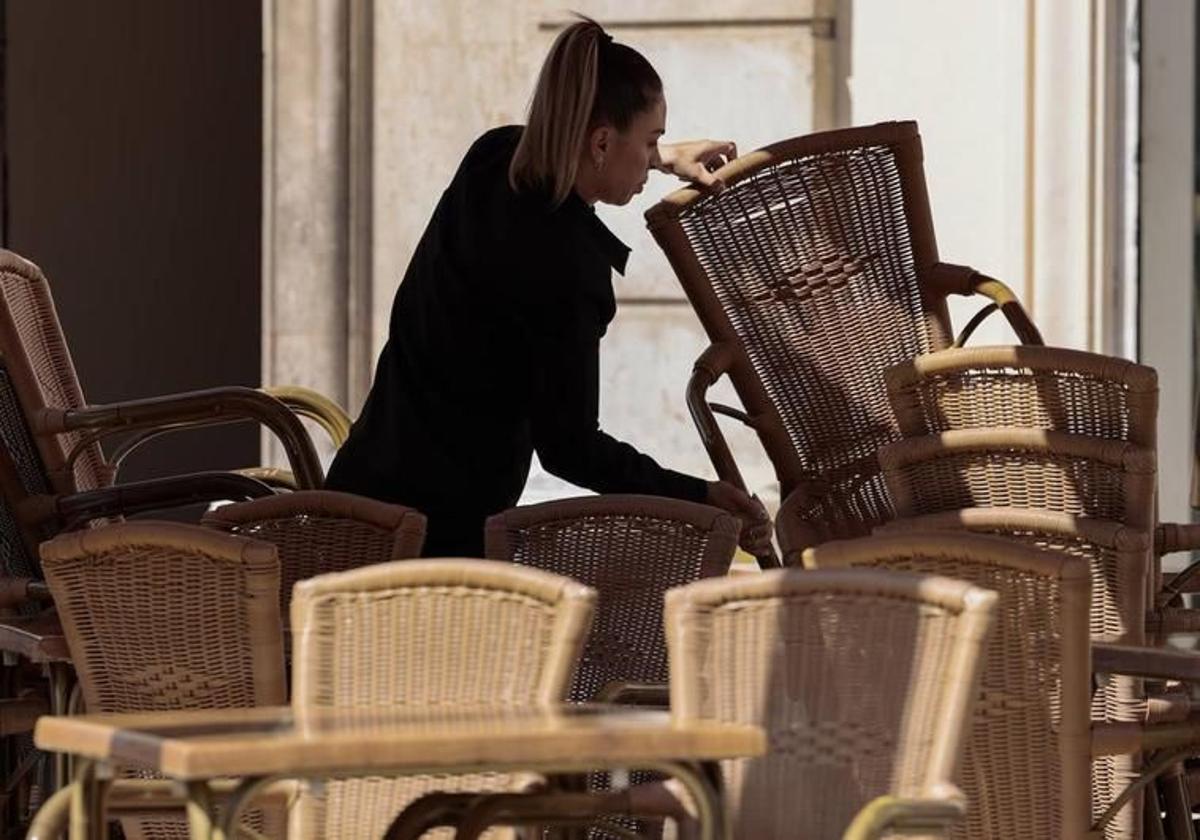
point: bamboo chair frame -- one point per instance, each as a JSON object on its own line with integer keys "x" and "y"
{"x": 818, "y": 249}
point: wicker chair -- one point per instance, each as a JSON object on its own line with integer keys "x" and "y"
{"x": 863, "y": 681}
{"x": 1027, "y": 767}
{"x": 454, "y": 633}
{"x": 1117, "y": 558}
{"x": 631, "y": 550}
{"x": 163, "y": 616}
{"x": 812, "y": 272}
{"x": 320, "y": 531}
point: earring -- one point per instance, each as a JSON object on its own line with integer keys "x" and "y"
{"x": 599, "y": 164}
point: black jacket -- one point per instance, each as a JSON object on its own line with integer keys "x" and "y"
{"x": 493, "y": 352}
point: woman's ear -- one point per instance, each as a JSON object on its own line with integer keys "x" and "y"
{"x": 599, "y": 144}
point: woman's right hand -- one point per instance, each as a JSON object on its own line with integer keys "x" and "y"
{"x": 755, "y": 537}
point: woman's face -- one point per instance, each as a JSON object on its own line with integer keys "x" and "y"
{"x": 628, "y": 155}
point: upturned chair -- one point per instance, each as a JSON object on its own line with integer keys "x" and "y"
{"x": 813, "y": 271}
{"x": 164, "y": 616}
{"x": 862, "y": 680}
{"x": 450, "y": 633}
{"x": 1027, "y": 771}
{"x": 631, "y": 550}
{"x": 321, "y": 531}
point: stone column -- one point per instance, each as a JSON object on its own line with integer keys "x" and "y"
{"x": 316, "y": 198}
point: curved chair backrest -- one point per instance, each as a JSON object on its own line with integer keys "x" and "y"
{"x": 818, "y": 265}
{"x": 863, "y": 680}
{"x": 161, "y": 616}
{"x": 1117, "y": 557}
{"x": 1024, "y": 468}
{"x": 321, "y": 531}
{"x": 1034, "y": 387}
{"x": 455, "y": 633}
{"x": 1026, "y": 770}
{"x": 38, "y": 365}
{"x": 631, "y": 550}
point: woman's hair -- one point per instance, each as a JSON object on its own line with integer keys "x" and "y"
{"x": 587, "y": 80}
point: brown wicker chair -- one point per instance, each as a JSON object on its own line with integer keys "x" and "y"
{"x": 321, "y": 531}
{"x": 455, "y": 633}
{"x": 631, "y": 550}
{"x": 1027, "y": 767}
{"x": 812, "y": 272}
{"x": 164, "y": 616}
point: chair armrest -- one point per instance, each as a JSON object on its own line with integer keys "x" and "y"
{"x": 157, "y": 494}
{"x": 893, "y": 813}
{"x": 962, "y": 280}
{"x": 635, "y": 694}
{"x": 213, "y": 406}
{"x": 315, "y": 406}
{"x": 714, "y": 363}
{"x": 1154, "y": 663}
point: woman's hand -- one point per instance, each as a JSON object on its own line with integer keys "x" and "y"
{"x": 695, "y": 160}
{"x": 756, "y": 525}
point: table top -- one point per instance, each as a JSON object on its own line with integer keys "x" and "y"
{"x": 38, "y": 638}
{"x": 279, "y": 740}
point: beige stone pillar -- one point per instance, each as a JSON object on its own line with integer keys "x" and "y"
{"x": 316, "y": 198}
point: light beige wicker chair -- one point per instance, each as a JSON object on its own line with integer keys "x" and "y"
{"x": 1117, "y": 557}
{"x": 631, "y": 550}
{"x": 863, "y": 680}
{"x": 321, "y": 531}
{"x": 812, "y": 272}
{"x": 453, "y": 633}
{"x": 164, "y": 616}
{"x": 1026, "y": 772}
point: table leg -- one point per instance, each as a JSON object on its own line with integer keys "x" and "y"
{"x": 59, "y": 674}
{"x": 201, "y": 825}
{"x": 702, "y": 780}
{"x": 87, "y": 802}
{"x": 236, "y": 805}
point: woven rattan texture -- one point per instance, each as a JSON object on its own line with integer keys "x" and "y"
{"x": 812, "y": 263}
{"x": 1064, "y": 401}
{"x": 1013, "y": 478}
{"x": 1011, "y": 770}
{"x": 421, "y": 646}
{"x": 316, "y": 545}
{"x": 153, "y": 628}
{"x": 29, "y": 473}
{"x": 25, "y": 294}
{"x": 631, "y": 561}
{"x": 847, "y": 688}
{"x": 1117, "y": 615}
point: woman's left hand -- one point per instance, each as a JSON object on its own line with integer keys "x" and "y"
{"x": 695, "y": 160}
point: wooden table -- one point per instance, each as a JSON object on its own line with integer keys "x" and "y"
{"x": 264, "y": 745}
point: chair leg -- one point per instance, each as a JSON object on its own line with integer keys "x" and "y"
{"x": 1176, "y": 803}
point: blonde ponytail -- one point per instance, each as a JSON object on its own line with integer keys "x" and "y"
{"x": 586, "y": 78}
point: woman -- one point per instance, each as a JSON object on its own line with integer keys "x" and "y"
{"x": 493, "y": 347}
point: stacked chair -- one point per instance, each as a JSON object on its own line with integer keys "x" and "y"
{"x": 813, "y": 271}
{"x": 54, "y": 477}
{"x": 1073, "y": 470}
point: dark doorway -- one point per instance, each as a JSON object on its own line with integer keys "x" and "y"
{"x": 133, "y": 138}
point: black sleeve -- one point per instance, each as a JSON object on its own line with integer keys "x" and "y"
{"x": 566, "y": 428}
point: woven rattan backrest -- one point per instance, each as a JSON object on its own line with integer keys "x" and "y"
{"x": 863, "y": 681}
{"x": 1026, "y": 768}
{"x": 1117, "y": 559}
{"x": 320, "y": 531}
{"x": 450, "y": 633}
{"x": 38, "y": 364}
{"x": 631, "y": 550}
{"x": 812, "y": 263}
{"x": 163, "y": 616}
{"x": 1027, "y": 386}
{"x": 1024, "y": 468}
